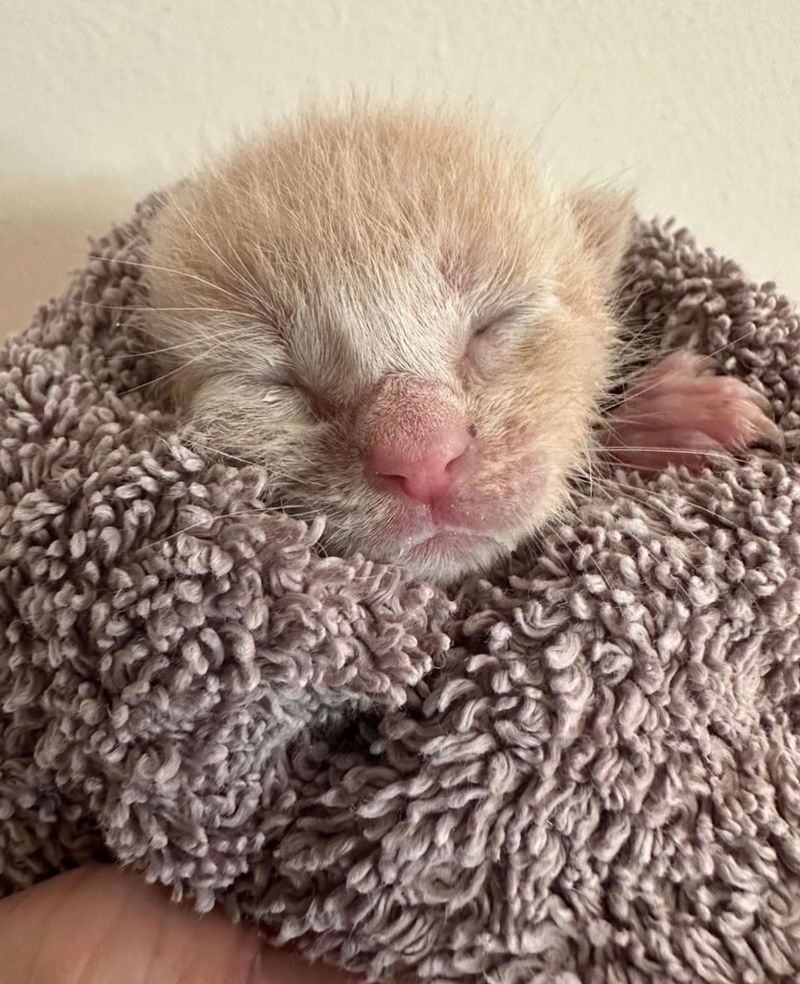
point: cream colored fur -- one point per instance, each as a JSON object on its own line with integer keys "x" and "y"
{"x": 291, "y": 278}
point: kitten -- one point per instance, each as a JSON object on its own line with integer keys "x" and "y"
{"x": 410, "y": 329}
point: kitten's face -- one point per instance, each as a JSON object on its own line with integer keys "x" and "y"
{"x": 400, "y": 321}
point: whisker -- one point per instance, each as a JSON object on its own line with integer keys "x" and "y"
{"x": 652, "y": 501}
{"x": 250, "y": 289}
{"x": 172, "y": 372}
{"x": 224, "y": 335}
{"x": 180, "y": 273}
{"x": 590, "y": 557}
{"x": 615, "y": 483}
{"x": 659, "y": 450}
{"x": 149, "y": 307}
{"x": 635, "y": 392}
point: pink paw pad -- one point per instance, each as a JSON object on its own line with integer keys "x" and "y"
{"x": 679, "y": 413}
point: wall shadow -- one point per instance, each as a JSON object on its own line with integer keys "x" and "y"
{"x": 44, "y": 230}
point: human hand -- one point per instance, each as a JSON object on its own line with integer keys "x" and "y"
{"x": 102, "y": 925}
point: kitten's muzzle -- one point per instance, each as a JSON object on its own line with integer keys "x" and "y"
{"x": 423, "y": 471}
{"x": 414, "y": 439}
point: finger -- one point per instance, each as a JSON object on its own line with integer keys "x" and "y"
{"x": 100, "y": 923}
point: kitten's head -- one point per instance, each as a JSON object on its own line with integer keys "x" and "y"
{"x": 396, "y": 316}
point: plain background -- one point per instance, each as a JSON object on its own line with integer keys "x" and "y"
{"x": 695, "y": 102}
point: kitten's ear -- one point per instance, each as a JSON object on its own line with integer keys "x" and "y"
{"x": 605, "y": 222}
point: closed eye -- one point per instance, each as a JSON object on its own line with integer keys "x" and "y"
{"x": 293, "y": 396}
{"x": 275, "y": 392}
{"x": 504, "y": 319}
{"x": 484, "y": 327}
{"x": 519, "y": 316}
{"x": 277, "y": 373}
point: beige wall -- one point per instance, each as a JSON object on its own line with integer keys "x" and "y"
{"x": 696, "y": 102}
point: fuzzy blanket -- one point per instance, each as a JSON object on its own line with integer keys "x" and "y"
{"x": 584, "y": 770}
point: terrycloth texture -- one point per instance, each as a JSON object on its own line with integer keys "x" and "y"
{"x": 584, "y": 771}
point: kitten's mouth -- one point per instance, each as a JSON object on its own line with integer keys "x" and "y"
{"x": 448, "y": 539}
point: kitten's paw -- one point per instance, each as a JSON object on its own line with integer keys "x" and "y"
{"x": 679, "y": 413}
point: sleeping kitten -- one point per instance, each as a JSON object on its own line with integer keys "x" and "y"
{"x": 398, "y": 317}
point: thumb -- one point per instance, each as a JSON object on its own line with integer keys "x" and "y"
{"x": 99, "y": 923}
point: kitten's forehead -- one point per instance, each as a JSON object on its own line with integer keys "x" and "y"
{"x": 370, "y": 193}
{"x": 394, "y": 246}
{"x": 374, "y": 318}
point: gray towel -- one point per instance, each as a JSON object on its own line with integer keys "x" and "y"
{"x": 582, "y": 770}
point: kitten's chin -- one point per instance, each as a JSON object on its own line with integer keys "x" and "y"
{"x": 450, "y": 541}
{"x": 447, "y": 555}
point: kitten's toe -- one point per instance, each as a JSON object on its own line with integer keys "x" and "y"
{"x": 678, "y": 413}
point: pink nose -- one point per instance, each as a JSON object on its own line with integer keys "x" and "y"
{"x": 424, "y": 473}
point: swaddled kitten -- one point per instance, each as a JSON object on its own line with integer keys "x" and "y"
{"x": 410, "y": 329}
